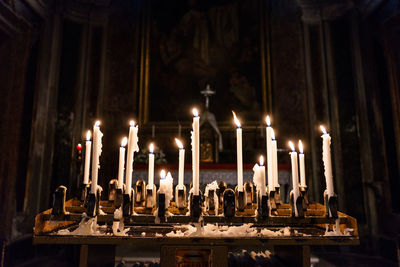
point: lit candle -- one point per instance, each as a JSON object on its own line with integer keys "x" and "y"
{"x": 121, "y": 162}
{"x": 196, "y": 151}
{"x": 87, "y": 158}
{"x": 295, "y": 175}
{"x": 271, "y": 184}
{"x": 151, "y": 166}
{"x": 181, "y": 163}
{"x": 326, "y": 157}
{"x": 239, "y": 153}
{"x": 97, "y": 135}
{"x": 162, "y": 181}
{"x": 132, "y": 147}
{"x": 274, "y": 159}
{"x": 302, "y": 165}
{"x": 261, "y": 170}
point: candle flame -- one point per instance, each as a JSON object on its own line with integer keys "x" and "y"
{"x": 97, "y": 124}
{"x": 151, "y": 148}
{"x": 268, "y": 120}
{"x": 292, "y": 146}
{"x": 195, "y": 112}
{"x": 124, "y": 141}
{"x": 88, "y": 135}
{"x": 162, "y": 174}
{"x": 132, "y": 123}
{"x": 179, "y": 143}
{"x": 261, "y": 160}
{"x": 323, "y": 129}
{"x": 300, "y": 146}
{"x": 236, "y": 120}
{"x": 272, "y": 134}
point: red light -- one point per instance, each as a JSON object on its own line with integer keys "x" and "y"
{"x": 79, "y": 147}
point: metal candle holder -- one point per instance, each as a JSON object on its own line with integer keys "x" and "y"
{"x": 150, "y": 197}
{"x": 248, "y": 193}
{"x": 263, "y": 207}
{"x": 331, "y": 205}
{"x": 93, "y": 203}
{"x": 161, "y": 206}
{"x": 278, "y": 195}
{"x": 180, "y": 197}
{"x": 220, "y": 193}
{"x": 297, "y": 204}
{"x": 210, "y": 204}
{"x": 127, "y": 203}
{"x": 59, "y": 197}
{"x": 240, "y": 201}
{"x": 304, "y": 194}
{"x": 140, "y": 196}
{"x": 195, "y": 206}
{"x": 229, "y": 203}
{"x": 112, "y": 189}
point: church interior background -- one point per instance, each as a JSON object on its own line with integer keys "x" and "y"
{"x": 65, "y": 64}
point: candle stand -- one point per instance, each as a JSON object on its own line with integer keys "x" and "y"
{"x": 150, "y": 197}
{"x": 92, "y": 205}
{"x": 85, "y": 192}
{"x": 229, "y": 203}
{"x": 239, "y": 199}
{"x": 304, "y": 231}
{"x": 195, "y": 206}
{"x": 272, "y": 203}
{"x": 59, "y": 197}
{"x": 180, "y": 197}
{"x": 220, "y": 193}
{"x": 331, "y": 205}
{"x": 119, "y": 197}
{"x": 127, "y": 204}
{"x": 277, "y": 195}
{"x": 140, "y": 196}
{"x": 248, "y": 194}
{"x": 263, "y": 207}
{"x": 112, "y": 189}
{"x": 304, "y": 194}
{"x": 297, "y": 204}
{"x": 161, "y": 207}
{"x": 210, "y": 204}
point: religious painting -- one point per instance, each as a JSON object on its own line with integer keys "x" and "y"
{"x": 194, "y": 43}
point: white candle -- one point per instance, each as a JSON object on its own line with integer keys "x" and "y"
{"x": 132, "y": 147}
{"x": 295, "y": 175}
{"x": 271, "y": 185}
{"x": 196, "y": 151}
{"x": 97, "y": 135}
{"x": 302, "y": 165}
{"x": 181, "y": 163}
{"x": 239, "y": 153}
{"x": 151, "y": 166}
{"x": 326, "y": 157}
{"x": 261, "y": 170}
{"x": 121, "y": 162}
{"x": 274, "y": 160}
{"x": 88, "y": 149}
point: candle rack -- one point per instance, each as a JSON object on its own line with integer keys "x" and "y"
{"x": 170, "y": 212}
